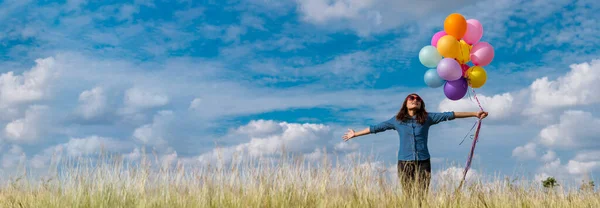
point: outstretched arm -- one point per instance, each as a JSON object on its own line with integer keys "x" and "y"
{"x": 351, "y": 134}
{"x": 373, "y": 129}
{"x": 480, "y": 114}
{"x": 451, "y": 115}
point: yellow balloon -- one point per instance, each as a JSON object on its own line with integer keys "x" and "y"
{"x": 448, "y": 46}
{"x": 465, "y": 52}
{"x": 476, "y": 76}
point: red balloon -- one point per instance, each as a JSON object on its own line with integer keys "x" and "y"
{"x": 464, "y": 70}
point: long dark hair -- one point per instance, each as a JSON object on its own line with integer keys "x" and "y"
{"x": 421, "y": 112}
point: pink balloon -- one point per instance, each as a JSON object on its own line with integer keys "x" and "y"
{"x": 474, "y": 31}
{"x": 482, "y": 54}
{"x": 437, "y": 37}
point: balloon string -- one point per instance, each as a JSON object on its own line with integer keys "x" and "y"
{"x": 468, "y": 133}
{"x": 475, "y": 95}
{"x": 475, "y": 140}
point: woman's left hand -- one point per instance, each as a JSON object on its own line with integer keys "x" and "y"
{"x": 482, "y": 114}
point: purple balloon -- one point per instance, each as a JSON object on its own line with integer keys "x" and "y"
{"x": 457, "y": 89}
{"x": 449, "y": 69}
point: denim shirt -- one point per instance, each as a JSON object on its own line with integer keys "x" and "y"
{"x": 412, "y": 135}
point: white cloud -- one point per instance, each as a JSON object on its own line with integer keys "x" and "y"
{"x": 261, "y": 128}
{"x": 134, "y": 155}
{"x": 94, "y": 145}
{"x": 47, "y": 157}
{"x": 568, "y": 134}
{"x": 549, "y": 156}
{"x": 580, "y": 168}
{"x": 31, "y": 86}
{"x": 552, "y": 168}
{"x": 498, "y": 106}
{"x": 195, "y": 104}
{"x": 294, "y": 138}
{"x": 372, "y": 16}
{"x": 574, "y": 171}
{"x": 346, "y": 146}
{"x": 453, "y": 175}
{"x": 139, "y": 99}
{"x": 155, "y": 134}
{"x": 29, "y": 128}
{"x": 332, "y": 70}
{"x": 92, "y": 103}
{"x": 525, "y": 152}
{"x": 13, "y": 157}
{"x": 315, "y": 155}
{"x": 577, "y": 87}
{"x": 321, "y": 11}
{"x": 127, "y": 11}
{"x": 258, "y": 99}
{"x": 593, "y": 155}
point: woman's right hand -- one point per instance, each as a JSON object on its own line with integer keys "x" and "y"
{"x": 349, "y": 135}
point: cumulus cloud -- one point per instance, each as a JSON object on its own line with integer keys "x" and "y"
{"x": 155, "y": 133}
{"x": 573, "y": 171}
{"x": 294, "y": 138}
{"x": 261, "y": 128}
{"x": 580, "y": 168}
{"x": 92, "y": 103}
{"x": 576, "y": 129}
{"x": 593, "y": 155}
{"x": 139, "y": 99}
{"x": 13, "y": 157}
{"x": 47, "y": 157}
{"x": 525, "y": 152}
{"x": 550, "y": 156}
{"x": 370, "y": 16}
{"x": 29, "y": 128}
{"x": 321, "y": 11}
{"x": 578, "y": 87}
{"x": 33, "y": 85}
{"x": 94, "y": 145}
{"x": 346, "y": 146}
{"x": 499, "y": 106}
{"x": 454, "y": 174}
{"x": 552, "y": 168}
{"x": 195, "y": 104}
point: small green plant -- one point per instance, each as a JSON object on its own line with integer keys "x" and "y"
{"x": 550, "y": 183}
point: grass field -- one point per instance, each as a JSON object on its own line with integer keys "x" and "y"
{"x": 288, "y": 183}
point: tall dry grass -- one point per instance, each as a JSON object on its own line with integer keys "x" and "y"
{"x": 289, "y": 182}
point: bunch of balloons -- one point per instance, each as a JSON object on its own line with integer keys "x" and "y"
{"x": 449, "y": 55}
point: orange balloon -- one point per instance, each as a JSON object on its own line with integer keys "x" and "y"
{"x": 448, "y": 47}
{"x": 455, "y": 25}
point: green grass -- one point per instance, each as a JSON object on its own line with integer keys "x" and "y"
{"x": 288, "y": 183}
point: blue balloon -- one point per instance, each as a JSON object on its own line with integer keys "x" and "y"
{"x": 429, "y": 56}
{"x": 432, "y": 79}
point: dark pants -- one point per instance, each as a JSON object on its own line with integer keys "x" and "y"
{"x": 415, "y": 177}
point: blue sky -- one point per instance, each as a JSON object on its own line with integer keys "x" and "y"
{"x": 182, "y": 76}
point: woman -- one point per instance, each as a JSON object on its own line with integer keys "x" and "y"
{"x": 412, "y": 123}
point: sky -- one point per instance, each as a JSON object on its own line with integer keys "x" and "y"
{"x": 198, "y": 80}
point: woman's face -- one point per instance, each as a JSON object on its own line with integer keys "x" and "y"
{"x": 413, "y": 102}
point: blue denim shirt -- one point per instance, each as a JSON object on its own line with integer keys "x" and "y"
{"x": 412, "y": 135}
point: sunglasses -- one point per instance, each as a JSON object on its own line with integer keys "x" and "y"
{"x": 413, "y": 97}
